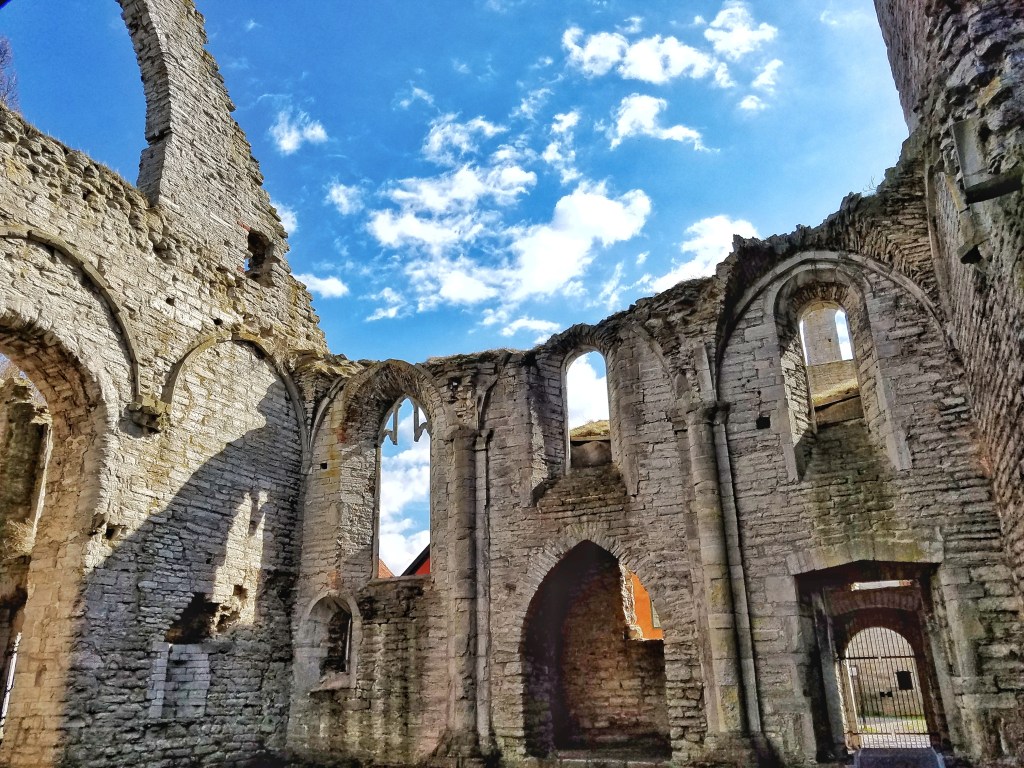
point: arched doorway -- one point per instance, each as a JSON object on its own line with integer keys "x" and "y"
{"x": 594, "y": 663}
{"x": 881, "y": 688}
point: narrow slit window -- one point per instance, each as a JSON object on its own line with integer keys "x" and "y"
{"x": 586, "y": 402}
{"x": 403, "y": 508}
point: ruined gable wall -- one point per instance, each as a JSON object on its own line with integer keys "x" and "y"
{"x": 105, "y": 291}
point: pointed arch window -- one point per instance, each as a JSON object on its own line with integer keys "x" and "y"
{"x": 586, "y": 411}
{"x": 402, "y": 541}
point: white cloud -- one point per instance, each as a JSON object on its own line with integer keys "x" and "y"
{"x": 414, "y": 95}
{"x": 560, "y": 154}
{"x": 586, "y": 390}
{"x": 251, "y": 24}
{"x": 289, "y": 219}
{"x": 550, "y": 256}
{"x": 397, "y": 229}
{"x": 654, "y": 59}
{"x": 565, "y": 121}
{"x": 768, "y": 76}
{"x": 658, "y": 60}
{"x": 449, "y": 139}
{"x": 346, "y": 199}
{"x": 709, "y": 241}
{"x": 464, "y": 188}
{"x": 532, "y": 102}
{"x": 543, "y": 328}
{"x": 293, "y": 129}
{"x": 638, "y": 115}
{"x": 753, "y": 103}
{"x": 722, "y": 77}
{"x": 846, "y": 19}
{"x": 734, "y": 33}
{"x": 611, "y": 290}
{"x": 598, "y": 54}
{"x": 325, "y": 287}
{"x": 633, "y": 25}
{"x": 394, "y": 303}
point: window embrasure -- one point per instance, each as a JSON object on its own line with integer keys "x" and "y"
{"x": 586, "y": 411}
{"x": 402, "y": 542}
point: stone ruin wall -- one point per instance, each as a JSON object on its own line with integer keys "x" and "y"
{"x": 212, "y": 472}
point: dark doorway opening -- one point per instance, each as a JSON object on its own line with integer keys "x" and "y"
{"x": 595, "y": 685}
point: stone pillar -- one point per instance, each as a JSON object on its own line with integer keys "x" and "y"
{"x": 461, "y": 738}
{"x": 727, "y": 722}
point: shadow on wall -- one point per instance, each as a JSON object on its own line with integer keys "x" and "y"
{"x": 197, "y": 600}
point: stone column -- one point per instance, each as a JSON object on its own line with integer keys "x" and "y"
{"x": 461, "y": 737}
{"x": 727, "y": 724}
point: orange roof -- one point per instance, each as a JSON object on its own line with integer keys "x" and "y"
{"x": 383, "y": 572}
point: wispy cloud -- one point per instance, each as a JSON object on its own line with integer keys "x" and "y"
{"x": 448, "y": 139}
{"x": 709, "y": 241}
{"x": 393, "y": 305}
{"x": 767, "y": 78}
{"x": 324, "y": 287}
{"x": 345, "y": 198}
{"x": 295, "y": 128}
{"x": 415, "y": 94}
{"x": 560, "y": 153}
{"x": 733, "y": 33}
{"x": 542, "y": 328}
{"x": 639, "y": 115}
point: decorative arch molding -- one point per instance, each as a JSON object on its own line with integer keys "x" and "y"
{"x": 842, "y": 262}
{"x": 376, "y": 389}
{"x": 98, "y": 283}
{"x": 166, "y": 402}
{"x": 929, "y": 551}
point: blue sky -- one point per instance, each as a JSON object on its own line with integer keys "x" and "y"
{"x": 458, "y": 175}
{"x": 466, "y": 174}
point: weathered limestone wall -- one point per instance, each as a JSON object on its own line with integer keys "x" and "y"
{"x": 858, "y": 497}
{"x": 395, "y": 701}
{"x": 209, "y": 506}
{"x": 110, "y": 300}
{"x": 962, "y": 62}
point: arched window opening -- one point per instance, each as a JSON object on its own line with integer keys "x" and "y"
{"x": 403, "y": 502}
{"x": 831, "y": 369}
{"x": 883, "y": 705}
{"x": 595, "y": 684}
{"x": 586, "y": 407}
{"x": 325, "y": 648}
{"x": 338, "y": 644}
{"x": 25, "y": 444}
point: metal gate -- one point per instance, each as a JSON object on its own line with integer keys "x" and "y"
{"x": 882, "y": 702}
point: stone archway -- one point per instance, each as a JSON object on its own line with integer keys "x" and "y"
{"x": 591, "y": 689}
